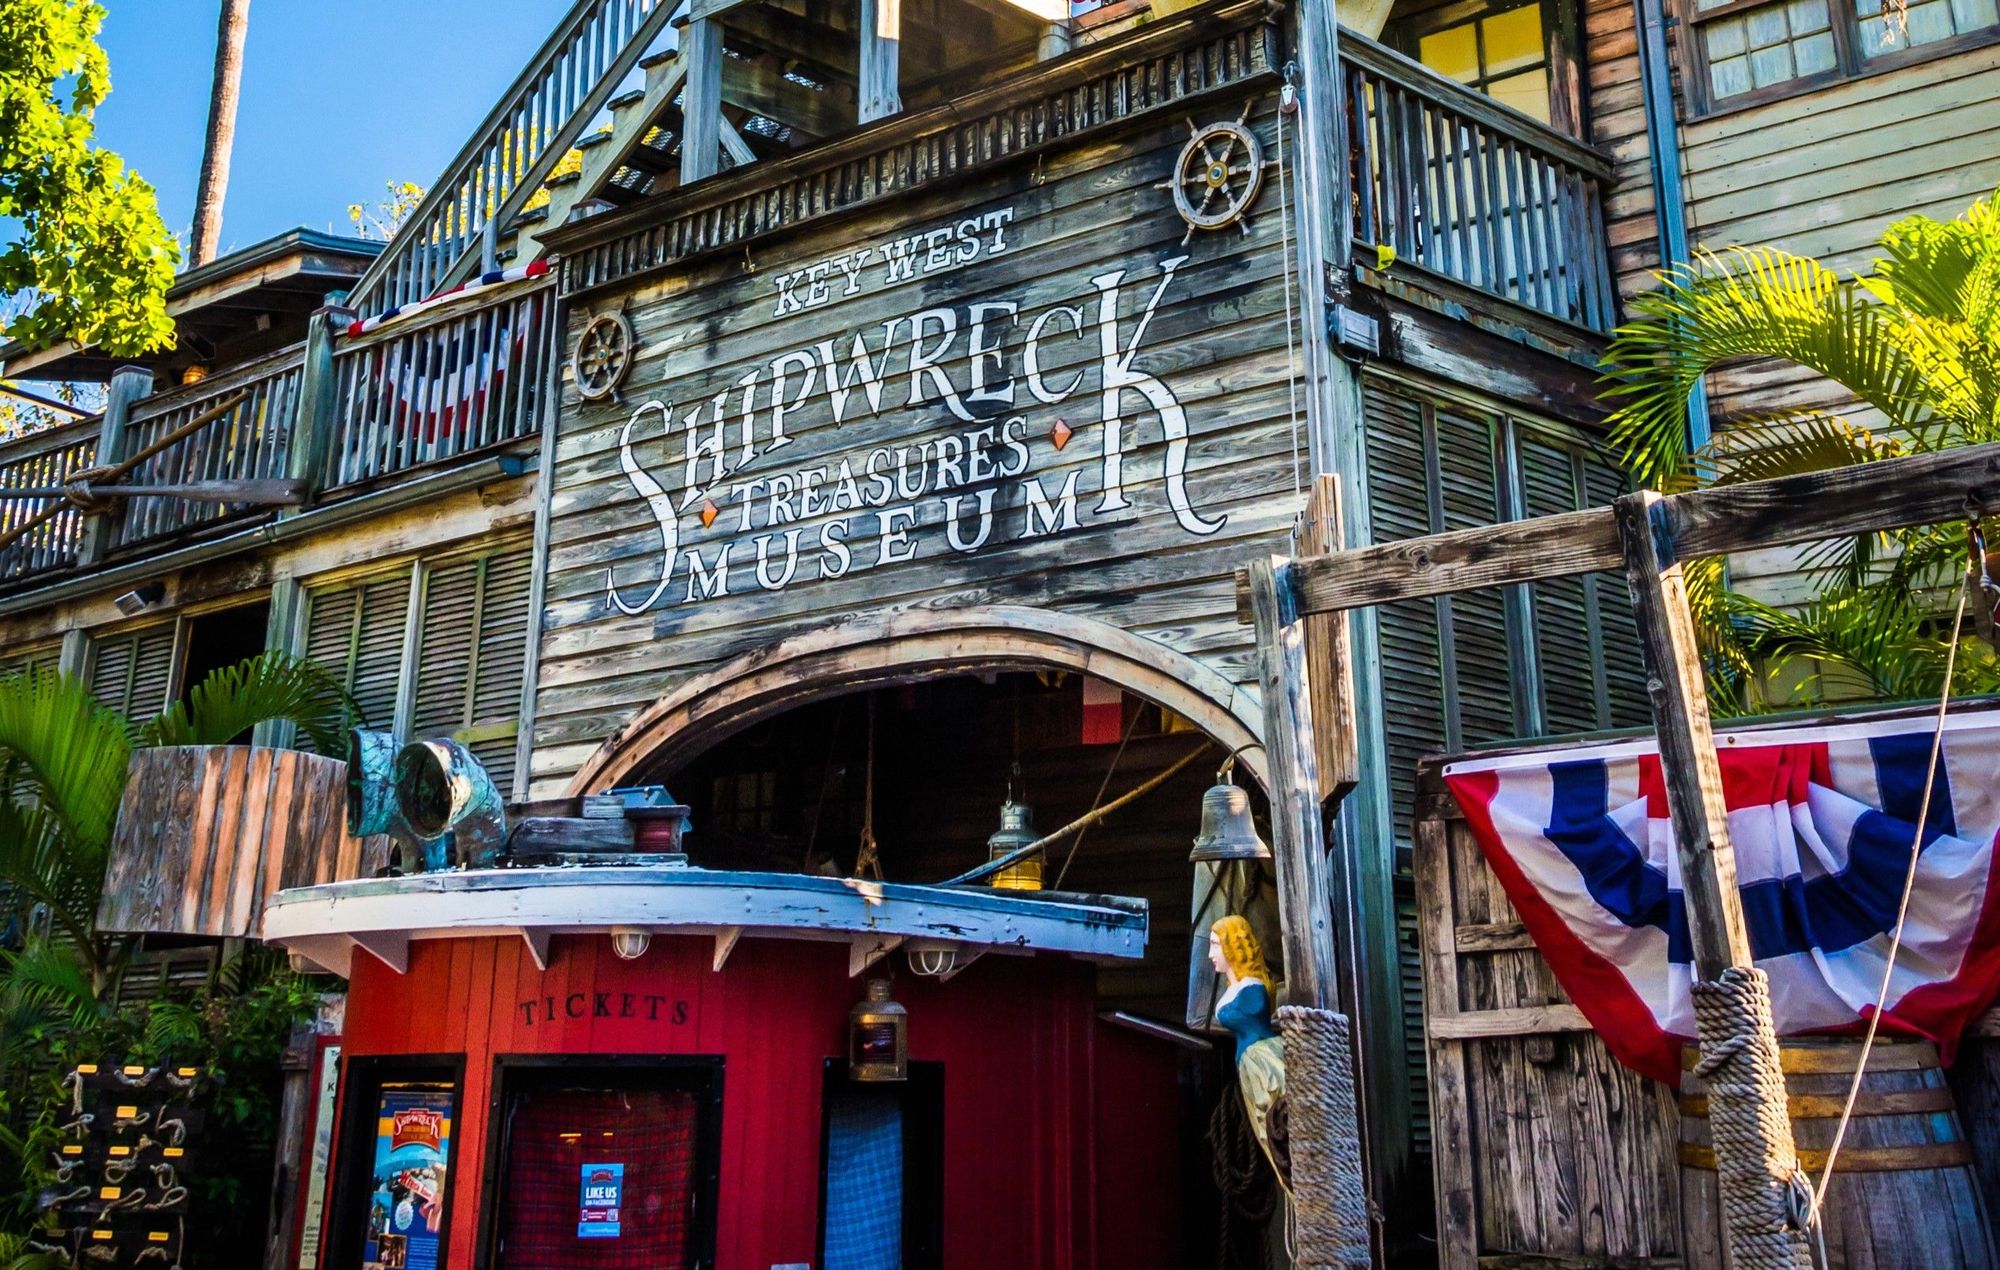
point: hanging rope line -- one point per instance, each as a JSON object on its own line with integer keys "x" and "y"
{"x": 1102, "y": 786}
{"x": 1976, "y": 578}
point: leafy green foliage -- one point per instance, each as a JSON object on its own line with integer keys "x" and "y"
{"x": 90, "y": 241}
{"x": 271, "y": 685}
{"x": 1919, "y": 341}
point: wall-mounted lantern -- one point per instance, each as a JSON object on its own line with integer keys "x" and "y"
{"x": 878, "y": 1036}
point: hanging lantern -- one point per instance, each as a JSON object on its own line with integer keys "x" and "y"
{"x": 878, "y": 1038}
{"x": 1017, "y": 830}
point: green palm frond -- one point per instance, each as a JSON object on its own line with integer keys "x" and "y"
{"x": 1788, "y": 443}
{"x": 44, "y": 984}
{"x": 71, "y": 751}
{"x": 1747, "y": 304}
{"x": 17, "y": 1252}
{"x": 40, "y": 863}
{"x": 270, "y": 686}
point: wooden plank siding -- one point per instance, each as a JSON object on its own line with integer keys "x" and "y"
{"x": 1822, "y": 174}
{"x": 1216, "y": 341}
{"x": 1616, "y": 110}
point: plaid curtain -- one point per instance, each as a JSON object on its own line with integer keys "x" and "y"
{"x": 554, "y": 1134}
{"x": 864, "y": 1181}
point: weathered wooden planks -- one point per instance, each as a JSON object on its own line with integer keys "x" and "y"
{"x": 207, "y": 834}
{"x": 1136, "y": 524}
{"x": 1546, "y": 1150}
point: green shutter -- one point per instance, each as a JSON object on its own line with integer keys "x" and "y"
{"x": 356, "y": 631}
{"x": 1455, "y": 669}
{"x": 472, "y": 654}
{"x": 132, "y": 671}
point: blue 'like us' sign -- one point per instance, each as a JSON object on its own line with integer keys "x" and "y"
{"x": 603, "y": 1193}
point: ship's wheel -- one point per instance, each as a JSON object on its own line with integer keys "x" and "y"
{"x": 1218, "y": 175}
{"x": 603, "y": 356}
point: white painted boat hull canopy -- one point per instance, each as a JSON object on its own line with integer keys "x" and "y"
{"x": 323, "y": 925}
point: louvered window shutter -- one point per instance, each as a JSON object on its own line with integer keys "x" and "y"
{"x": 355, "y": 630}
{"x": 132, "y": 671}
{"x": 472, "y": 655}
{"x": 28, "y": 661}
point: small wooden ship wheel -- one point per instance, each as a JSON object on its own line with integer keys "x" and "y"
{"x": 1218, "y": 175}
{"x": 603, "y": 356}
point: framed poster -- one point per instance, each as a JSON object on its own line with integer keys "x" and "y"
{"x": 603, "y": 1195}
{"x": 326, "y": 1087}
{"x": 406, "y": 1204}
{"x": 395, "y": 1156}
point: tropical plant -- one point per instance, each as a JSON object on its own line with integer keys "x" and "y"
{"x": 86, "y": 237}
{"x": 1917, "y": 343}
{"x": 63, "y": 764}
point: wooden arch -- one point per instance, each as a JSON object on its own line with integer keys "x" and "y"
{"x": 905, "y": 648}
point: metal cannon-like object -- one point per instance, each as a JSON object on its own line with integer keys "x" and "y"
{"x": 433, "y": 798}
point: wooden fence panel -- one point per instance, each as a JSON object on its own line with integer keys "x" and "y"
{"x": 1546, "y": 1150}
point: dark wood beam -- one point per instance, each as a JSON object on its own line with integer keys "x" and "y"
{"x": 1923, "y": 489}
{"x": 765, "y": 91}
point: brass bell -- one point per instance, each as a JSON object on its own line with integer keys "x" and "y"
{"x": 1226, "y": 830}
{"x": 1017, "y": 830}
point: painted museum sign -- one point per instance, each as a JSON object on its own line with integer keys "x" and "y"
{"x": 1032, "y": 419}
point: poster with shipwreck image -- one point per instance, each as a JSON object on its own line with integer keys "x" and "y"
{"x": 406, "y": 1210}
{"x": 1036, "y": 388}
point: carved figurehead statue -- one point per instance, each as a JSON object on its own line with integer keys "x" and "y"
{"x": 1245, "y": 1009}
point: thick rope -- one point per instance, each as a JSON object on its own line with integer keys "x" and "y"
{"x": 1243, "y": 1180}
{"x": 1755, "y": 1164}
{"x": 1329, "y": 1194}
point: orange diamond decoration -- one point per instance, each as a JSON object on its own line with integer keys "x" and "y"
{"x": 709, "y": 511}
{"x": 1061, "y": 434}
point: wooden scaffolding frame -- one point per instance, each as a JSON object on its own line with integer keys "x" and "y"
{"x": 1298, "y": 605}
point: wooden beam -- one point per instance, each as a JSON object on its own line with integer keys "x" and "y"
{"x": 701, "y": 100}
{"x": 538, "y": 946}
{"x": 881, "y": 49}
{"x": 824, "y": 53}
{"x": 1328, "y": 655}
{"x": 1692, "y": 773}
{"x": 1305, "y": 905}
{"x": 732, "y": 141}
{"x": 765, "y": 91}
{"x": 1922, "y": 489}
{"x": 391, "y": 948}
{"x": 725, "y": 943}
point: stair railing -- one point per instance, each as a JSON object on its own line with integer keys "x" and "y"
{"x": 538, "y": 120}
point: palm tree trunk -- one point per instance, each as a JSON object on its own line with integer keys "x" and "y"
{"x": 207, "y": 233}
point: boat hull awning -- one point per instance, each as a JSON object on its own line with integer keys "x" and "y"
{"x": 323, "y": 925}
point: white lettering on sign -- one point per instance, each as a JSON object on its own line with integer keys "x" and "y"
{"x": 986, "y": 371}
{"x": 943, "y": 247}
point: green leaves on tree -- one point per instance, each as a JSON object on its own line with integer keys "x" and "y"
{"x": 90, "y": 243}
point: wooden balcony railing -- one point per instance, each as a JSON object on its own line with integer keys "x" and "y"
{"x": 464, "y": 379}
{"x": 251, "y": 442}
{"x": 1468, "y": 188}
{"x": 44, "y": 460}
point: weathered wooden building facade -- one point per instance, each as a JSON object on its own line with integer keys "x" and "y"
{"x": 877, "y": 397}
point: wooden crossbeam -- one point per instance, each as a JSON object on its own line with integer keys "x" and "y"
{"x": 1922, "y": 489}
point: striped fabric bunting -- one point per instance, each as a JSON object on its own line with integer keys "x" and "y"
{"x": 491, "y": 278}
{"x": 1822, "y": 819}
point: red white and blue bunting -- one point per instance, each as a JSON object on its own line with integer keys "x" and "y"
{"x": 491, "y": 278}
{"x": 1822, "y": 819}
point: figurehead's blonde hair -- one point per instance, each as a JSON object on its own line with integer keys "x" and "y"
{"x": 1240, "y": 948}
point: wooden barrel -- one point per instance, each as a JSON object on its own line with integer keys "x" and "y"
{"x": 1904, "y": 1196}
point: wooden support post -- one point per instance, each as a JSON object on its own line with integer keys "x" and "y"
{"x": 129, "y": 386}
{"x": 1329, "y": 659}
{"x": 1687, "y": 743}
{"x": 1755, "y": 1159}
{"x": 701, "y": 100}
{"x": 881, "y": 92}
{"x": 1305, "y": 904}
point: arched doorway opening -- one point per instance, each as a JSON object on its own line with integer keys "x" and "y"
{"x": 961, "y": 710}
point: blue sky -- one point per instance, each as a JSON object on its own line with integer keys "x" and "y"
{"x": 339, "y": 97}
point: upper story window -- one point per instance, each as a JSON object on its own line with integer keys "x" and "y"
{"x": 1753, "y": 50}
{"x": 1500, "y": 53}
{"x": 1522, "y": 55}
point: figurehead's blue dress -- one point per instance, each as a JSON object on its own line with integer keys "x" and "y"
{"x": 1260, "y": 1059}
